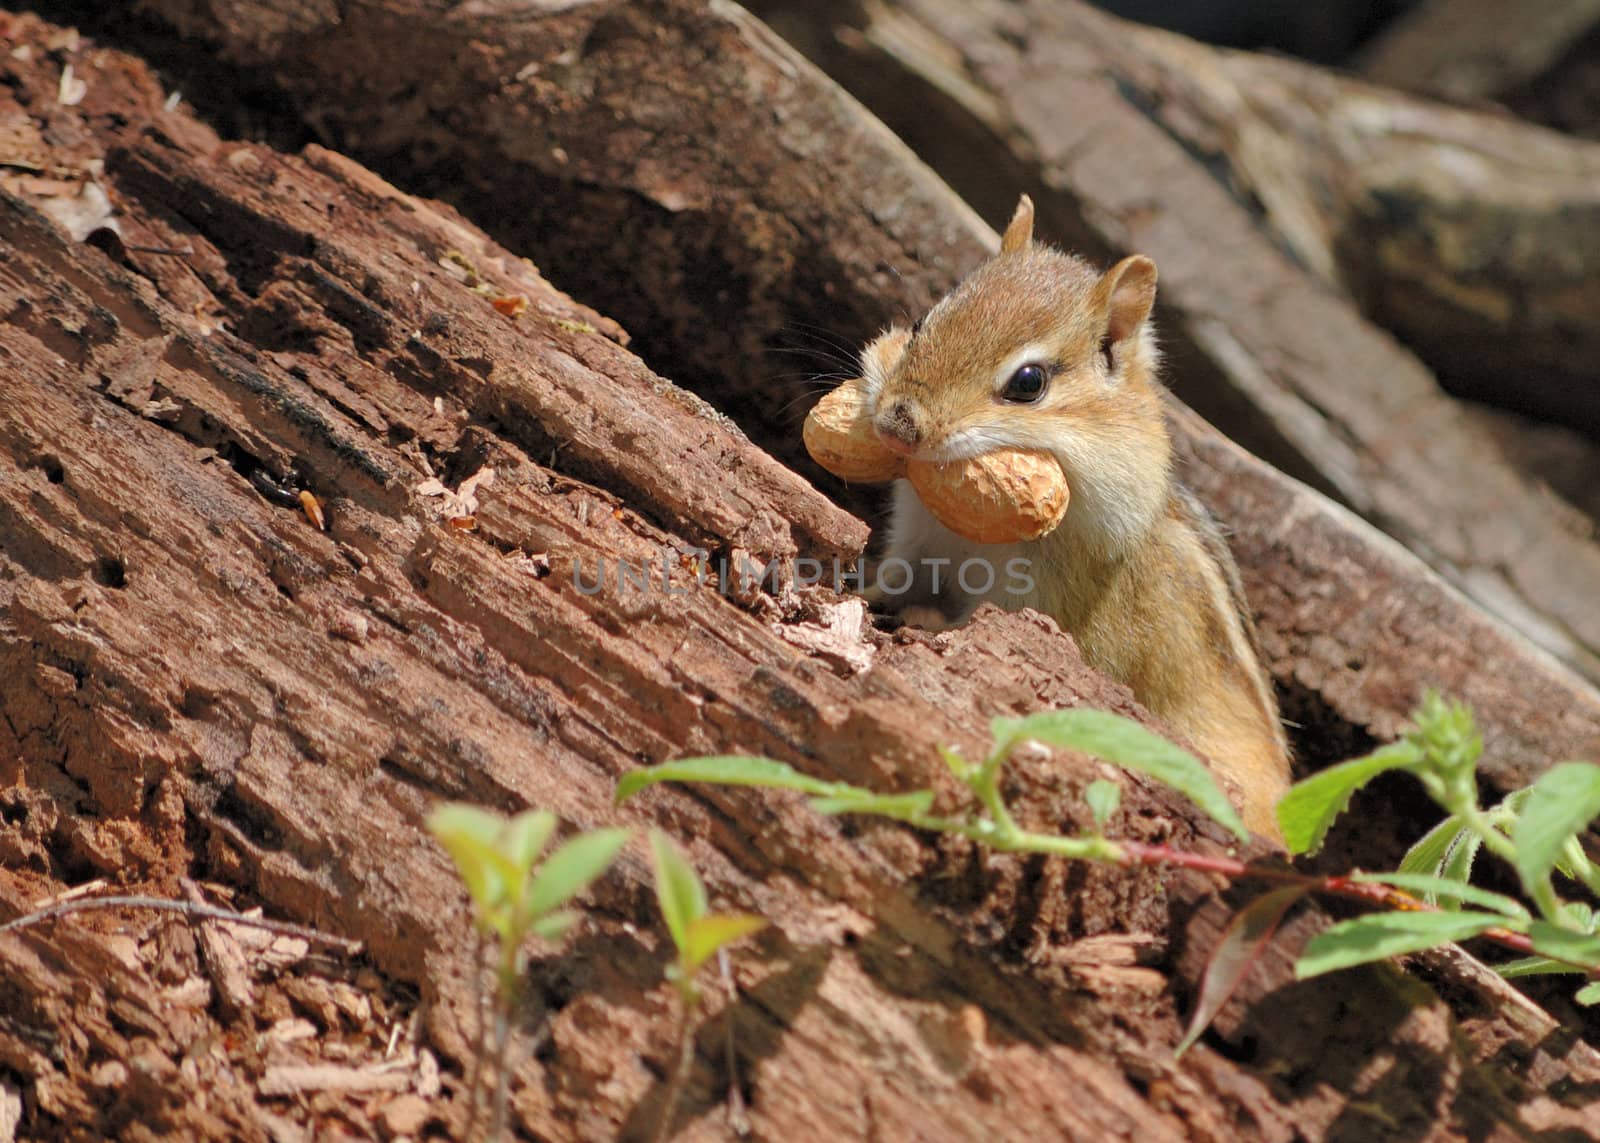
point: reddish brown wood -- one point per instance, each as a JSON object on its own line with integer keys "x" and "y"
{"x": 196, "y": 682}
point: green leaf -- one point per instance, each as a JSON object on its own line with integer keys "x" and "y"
{"x": 1427, "y": 885}
{"x": 905, "y": 807}
{"x": 1383, "y": 935}
{"x": 1248, "y": 933}
{"x": 525, "y": 837}
{"x": 731, "y": 770}
{"x": 1459, "y": 860}
{"x": 1308, "y": 810}
{"x": 1103, "y": 797}
{"x": 1123, "y": 741}
{"x": 708, "y": 934}
{"x": 1428, "y": 854}
{"x": 959, "y": 766}
{"x": 468, "y": 835}
{"x": 1534, "y": 966}
{"x": 569, "y": 870}
{"x": 1588, "y": 994}
{"x": 1564, "y": 944}
{"x": 678, "y": 888}
{"x": 553, "y": 926}
{"x": 1564, "y": 800}
{"x": 458, "y": 820}
{"x": 1577, "y": 916}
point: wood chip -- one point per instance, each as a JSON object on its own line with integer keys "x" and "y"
{"x": 224, "y": 959}
{"x": 10, "y": 1112}
{"x": 294, "y": 1079}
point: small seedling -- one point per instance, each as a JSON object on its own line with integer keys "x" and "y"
{"x": 1426, "y": 903}
{"x": 1533, "y": 830}
{"x": 698, "y": 935}
{"x": 515, "y": 896}
{"x": 1094, "y": 732}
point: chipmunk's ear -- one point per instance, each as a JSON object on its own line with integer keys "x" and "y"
{"x": 1019, "y": 231}
{"x": 1127, "y": 291}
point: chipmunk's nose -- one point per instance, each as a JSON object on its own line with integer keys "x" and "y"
{"x": 899, "y": 425}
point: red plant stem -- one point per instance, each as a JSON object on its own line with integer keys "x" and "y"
{"x": 1372, "y": 893}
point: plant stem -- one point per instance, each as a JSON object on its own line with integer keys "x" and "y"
{"x": 480, "y": 1046}
{"x": 1370, "y": 892}
{"x": 985, "y": 786}
{"x": 738, "y": 1121}
{"x": 685, "y": 1059}
{"x": 502, "y": 1081}
{"x": 1493, "y": 839}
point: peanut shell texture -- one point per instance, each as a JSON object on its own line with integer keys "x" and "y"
{"x": 839, "y": 436}
{"x": 1001, "y": 497}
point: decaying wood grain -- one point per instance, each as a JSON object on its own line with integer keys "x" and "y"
{"x": 1469, "y": 234}
{"x": 1475, "y": 49}
{"x": 290, "y": 703}
{"x": 806, "y": 214}
{"x": 195, "y": 676}
{"x": 197, "y": 682}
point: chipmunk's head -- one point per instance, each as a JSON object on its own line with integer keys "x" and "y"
{"x": 1036, "y": 350}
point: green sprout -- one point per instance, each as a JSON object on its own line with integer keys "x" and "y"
{"x": 1427, "y": 902}
{"x": 1096, "y": 732}
{"x": 515, "y": 896}
{"x": 1533, "y": 830}
{"x": 698, "y": 935}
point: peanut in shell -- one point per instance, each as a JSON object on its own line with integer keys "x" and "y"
{"x": 839, "y": 436}
{"x": 1000, "y": 497}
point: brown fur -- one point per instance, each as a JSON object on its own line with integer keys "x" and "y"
{"x": 1137, "y": 571}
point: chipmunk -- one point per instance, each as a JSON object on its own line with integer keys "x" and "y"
{"x": 1036, "y": 350}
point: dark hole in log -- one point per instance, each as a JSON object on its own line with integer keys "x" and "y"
{"x": 110, "y": 571}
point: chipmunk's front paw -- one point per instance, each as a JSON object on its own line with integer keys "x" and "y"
{"x": 927, "y": 618}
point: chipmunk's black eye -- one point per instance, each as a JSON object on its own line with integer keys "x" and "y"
{"x": 1027, "y": 385}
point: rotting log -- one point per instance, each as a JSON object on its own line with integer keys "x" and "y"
{"x": 1470, "y": 234}
{"x": 1475, "y": 49}
{"x": 1467, "y": 233}
{"x": 197, "y": 682}
{"x": 806, "y": 213}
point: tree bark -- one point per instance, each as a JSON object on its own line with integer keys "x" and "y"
{"x": 196, "y": 682}
{"x": 1475, "y": 49}
{"x": 1467, "y": 233}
